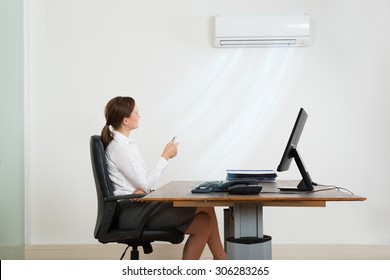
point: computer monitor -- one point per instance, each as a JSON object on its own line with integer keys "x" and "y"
{"x": 291, "y": 152}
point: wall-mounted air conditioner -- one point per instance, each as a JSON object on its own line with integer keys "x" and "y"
{"x": 262, "y": 31}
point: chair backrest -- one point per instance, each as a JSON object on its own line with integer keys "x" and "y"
{"x": 102, "y": 180}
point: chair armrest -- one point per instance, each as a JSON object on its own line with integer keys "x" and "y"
{"x": 109, "y": 231}
{"x": 123, "y": 197}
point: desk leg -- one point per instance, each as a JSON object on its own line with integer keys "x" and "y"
{"x": 248, "y": 241}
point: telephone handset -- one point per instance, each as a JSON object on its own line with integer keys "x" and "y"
{"x": 232, "y": 187}
{"x": 228, "y": 184}
{"x": 244, "y": 187}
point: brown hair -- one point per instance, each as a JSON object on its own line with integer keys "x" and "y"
{"x": 116, "y": 110}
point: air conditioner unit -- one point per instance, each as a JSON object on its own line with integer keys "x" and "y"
{"x": 262, "y": 31}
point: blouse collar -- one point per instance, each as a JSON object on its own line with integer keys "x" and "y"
{"x": 120, "y": 137}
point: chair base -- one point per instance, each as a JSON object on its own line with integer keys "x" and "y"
{"x": 134, "y": 253}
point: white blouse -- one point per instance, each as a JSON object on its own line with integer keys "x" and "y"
{"x": 126, "y": 167}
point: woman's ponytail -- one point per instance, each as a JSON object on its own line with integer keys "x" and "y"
{"x": 106, "y": 135}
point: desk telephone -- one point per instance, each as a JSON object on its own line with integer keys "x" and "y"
{"x": 232, "y": 187}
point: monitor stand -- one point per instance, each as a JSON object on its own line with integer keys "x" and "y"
{"x": 300, "y": 188}
{"x": 306, "y": 184}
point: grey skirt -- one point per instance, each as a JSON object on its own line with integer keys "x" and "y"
{"x": 156, "y": 215}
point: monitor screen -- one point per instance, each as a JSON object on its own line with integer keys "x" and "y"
{"x": 291, "y": 152}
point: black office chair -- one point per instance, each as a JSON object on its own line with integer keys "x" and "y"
{"x": 106, "y": 229}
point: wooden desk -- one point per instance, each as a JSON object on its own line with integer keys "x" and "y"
{"x": 179, "y": 192}
{"x": 248, "y": 210}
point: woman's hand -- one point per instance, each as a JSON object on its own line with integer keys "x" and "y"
{"x": 170, "y": 150}
{"x": 137, "y": 191}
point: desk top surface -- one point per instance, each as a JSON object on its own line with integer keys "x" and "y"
{"x": 181, "y": 191}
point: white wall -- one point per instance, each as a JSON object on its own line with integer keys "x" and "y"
{"x": 231, "y": 108}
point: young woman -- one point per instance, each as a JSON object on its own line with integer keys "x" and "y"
{"x": 130, "y": 175}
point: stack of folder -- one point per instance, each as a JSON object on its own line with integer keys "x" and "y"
{"x": 259, "y": 175}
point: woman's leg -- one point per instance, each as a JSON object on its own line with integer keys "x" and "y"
{"x": 199, "y": 232}
{"x": 204, "y": 229}
{"x": 214, "y": 240}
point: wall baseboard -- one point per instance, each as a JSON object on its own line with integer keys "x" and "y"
{"x": 173, "y": 252}
{"x": 102, "y": 252}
